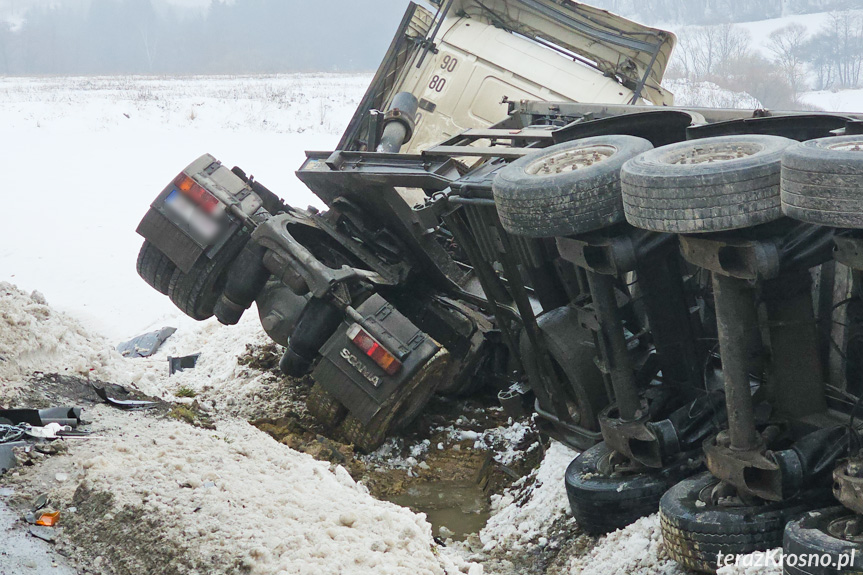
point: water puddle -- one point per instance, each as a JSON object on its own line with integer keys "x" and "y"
{"x": 460, "y": 507}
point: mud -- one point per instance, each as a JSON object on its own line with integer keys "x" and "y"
{"x": 426, "y": 467}
{"x": 106, "y": 534}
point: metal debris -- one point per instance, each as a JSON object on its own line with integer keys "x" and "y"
{"x": 147, "y": 344}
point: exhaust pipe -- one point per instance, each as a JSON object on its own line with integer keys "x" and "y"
{"x": 399, "y": 123}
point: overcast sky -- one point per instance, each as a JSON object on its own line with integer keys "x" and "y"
{"x": 16, "y": 7}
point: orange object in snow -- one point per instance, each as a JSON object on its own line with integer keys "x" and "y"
{"x": 48, "y": 519}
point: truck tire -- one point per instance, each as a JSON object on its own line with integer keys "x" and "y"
{"x": 815, "y": 534}
{"x": 197, "y": 292}
{"x": 821, "y": 182}
{"x": 324, "y": 407}
{"x": 155, "y": 268}
{"x": 399, "y": 410}
{"x": 602, "y": 502}
{"x": 569, "y": 188}
{"x": 563, "y": 335}
{"x": 710, "y": 185}
{"x": 695, "y": 531}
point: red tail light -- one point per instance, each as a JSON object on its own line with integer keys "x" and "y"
{"x": 373, "y": 349}
{"x": 207, "y": 201}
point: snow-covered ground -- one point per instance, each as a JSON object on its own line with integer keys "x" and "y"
{"x": 838, "y": 101}
{"x": 84, "y": 157}
{"x": 708, "y": 95}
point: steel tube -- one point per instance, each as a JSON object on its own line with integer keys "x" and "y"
{"x": 737, "y": 322}
{"x": 613, "y": 345}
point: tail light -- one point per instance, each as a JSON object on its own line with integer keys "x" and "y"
{"x": 373, "y": 349}
{"x": 207, "y": 201}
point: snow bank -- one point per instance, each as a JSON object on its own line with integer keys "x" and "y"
{"x": 35, "y": 337}
{"x": 635, "y": 550}
{"x": 231, "y": 496}
{"x": 244, "y": 499}
{"x": 217, "y": 380}
{"x": 526, "y": 511}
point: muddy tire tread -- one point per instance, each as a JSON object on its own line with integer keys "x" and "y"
{"x": 324, "y": 407}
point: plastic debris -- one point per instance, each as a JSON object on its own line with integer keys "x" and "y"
{"x": 122, "y": 403}
{"x": 40, "y": 502}
{"x": 176, "y": 364}
{"x": 7, "y": 456}
{"x": 10, "y": 433}
{"x": 147, "y": 344}
{"x": 39, "y": 417}
{"x": 48, "y": 519}
{"x": 50, "y": 431}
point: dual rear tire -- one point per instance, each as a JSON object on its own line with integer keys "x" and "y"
{"x": 195, "y": 293}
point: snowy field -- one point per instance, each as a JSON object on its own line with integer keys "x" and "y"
{"x": 84, "y": 157}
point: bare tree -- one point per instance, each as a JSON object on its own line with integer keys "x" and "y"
{"x": 788, "y": 47}
{"x": 836, "y": 51}
{"x": 709, "y": 52}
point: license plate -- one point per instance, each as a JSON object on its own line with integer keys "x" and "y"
{"x": 199, "y": 221}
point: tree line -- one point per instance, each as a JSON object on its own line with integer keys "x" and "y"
{"x": 830, "y": 58}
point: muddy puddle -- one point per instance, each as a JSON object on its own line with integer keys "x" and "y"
{"x": 454, "y": 509}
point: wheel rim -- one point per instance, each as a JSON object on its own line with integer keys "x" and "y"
{"x": 847, "y": 528}
{"x": 714, "y": 153}
{"x": 570, "y": 160}
{"x": 613, "y": 464}
{"x": 855, "y": 146}
{"x": 714, "y": 495}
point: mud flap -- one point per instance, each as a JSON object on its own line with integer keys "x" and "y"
{"x": 355, "y": 379}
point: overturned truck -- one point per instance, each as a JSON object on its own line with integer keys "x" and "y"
{"x": 516, "y": 204}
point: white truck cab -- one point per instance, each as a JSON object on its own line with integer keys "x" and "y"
{"x": 464, "y": 63}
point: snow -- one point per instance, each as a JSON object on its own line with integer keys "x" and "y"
{"x": 283, "y": 511}
{"x": 708, "y": 95}
{"x": 33, "y": 336}
{"x": 634, "y": 550}
{"x": 835, "y": 101}
{"x": 761, "y": 30}
{"x": 80, "y": 174}
{"x": 528, "y": 509}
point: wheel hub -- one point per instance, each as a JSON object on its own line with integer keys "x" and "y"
{"x": 848, "y": 146}
{"x": 715, "y": 153}
{"x": 571, "y": 160}
{"x": 848, "y": 528}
